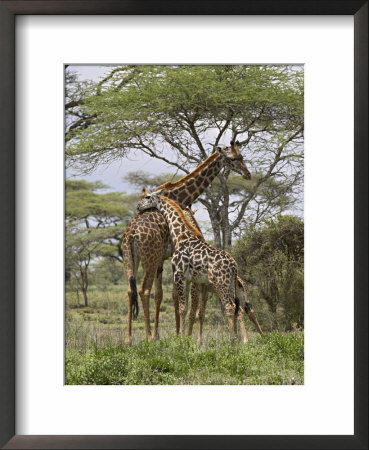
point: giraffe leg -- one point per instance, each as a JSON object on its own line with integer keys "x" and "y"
{"x": 194, "y": 306}
{"x": 226, "y": 296}
{"x": 204, "y": 299}
{"x": 235, "y": 317}
{"x": 176, "y": 307}
{"x": 182, "y": 290}
{"x": 241, "y": 320}
{"x": 145, "y": 290}
{"x": 129, "y": 317}
{"x": 158, "y": 296}
{"x": 230, "y": 313}
{"x": 245, "y": 305}
{"x": 130, "y": 261}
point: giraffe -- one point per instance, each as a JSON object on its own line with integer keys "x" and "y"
{"x": 202, "y": 291}
{"x": 196, "y": 261}
{"x": 147, "y": 239}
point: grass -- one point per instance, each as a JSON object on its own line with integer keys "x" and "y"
{"x": 96, "y": 353}
{"x": 274, "y": 358}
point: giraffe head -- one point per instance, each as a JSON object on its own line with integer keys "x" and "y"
{"x": 148, "y": 200}
{"x": 233, "y": 159}
{"x": 144, "y": 194}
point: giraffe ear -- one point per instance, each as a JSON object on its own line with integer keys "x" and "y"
{"x": 159, "y": 192}
{"x": 145, "y": 191}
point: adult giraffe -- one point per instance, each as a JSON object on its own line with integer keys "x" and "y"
{"x": 147, "y": 238}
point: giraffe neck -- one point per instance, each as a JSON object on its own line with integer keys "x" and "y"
{"x": 186, "y": 190}
{"x": 179, "y": 226}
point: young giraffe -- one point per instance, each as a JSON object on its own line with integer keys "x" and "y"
{"x": 147, "y": 237}
{"x": 202, "y": 291}
{"x": 196, "y": 261}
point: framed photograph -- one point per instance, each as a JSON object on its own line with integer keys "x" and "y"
{"x": 238, "y": 127}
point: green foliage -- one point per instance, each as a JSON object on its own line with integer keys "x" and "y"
{"x": 95, "y": 222}
{"x": 141, "y": 101}
{"x": 82, "y": 202}
{"x": 272, "y": 259}
{"x": 106, "y": 272}
{"x": 275, "y": 358}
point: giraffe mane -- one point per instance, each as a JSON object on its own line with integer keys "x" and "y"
{"x": 170, "y": 185}
{"x": 195, "y": 221}
{"x": 182, "y": 215}
{"x": 240, "y": 281}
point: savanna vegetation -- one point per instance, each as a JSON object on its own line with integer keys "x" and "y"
{"x": 176, "y": 114}
{"x": 96, "y": 352}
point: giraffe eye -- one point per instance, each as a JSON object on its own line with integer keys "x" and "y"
{"x": 147, "y": 197}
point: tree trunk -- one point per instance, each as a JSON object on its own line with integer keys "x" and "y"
{"x": 226, "y": 228}
{"x": 85, "y": 296}
{"x": 216, "y": 229}
{"x": 85, "y": 285}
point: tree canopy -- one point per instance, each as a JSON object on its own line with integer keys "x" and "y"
{"x": 178, "y": 113}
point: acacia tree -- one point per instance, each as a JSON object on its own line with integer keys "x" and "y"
{"x": 179, "y": 113}
{"x": 95, "y": 223}
{"x": 271, "y": 257}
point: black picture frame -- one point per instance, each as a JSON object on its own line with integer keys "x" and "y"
{"x": 8, "y": 12}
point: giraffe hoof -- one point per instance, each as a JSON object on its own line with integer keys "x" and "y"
{"x": 156, "y": 336}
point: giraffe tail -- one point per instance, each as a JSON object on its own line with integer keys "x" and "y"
{"x": 237, "y": 302}
{"x": 134, "y": 296}
{"x": 130, "y": 269}
{"x": 236, "y": 299}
